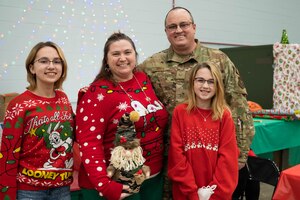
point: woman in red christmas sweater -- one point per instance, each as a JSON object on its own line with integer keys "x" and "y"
{"x": 118, "y": 88}
{"x": 203, "y": 154}
{"x": 36, "y": 157}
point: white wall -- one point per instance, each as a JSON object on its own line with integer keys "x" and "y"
{"x": 81, "y": 27}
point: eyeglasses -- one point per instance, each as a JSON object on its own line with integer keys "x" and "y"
{"x": 202, "y": 81}
{"x": 182, "y": 25}
{"x": 46, "y": 61}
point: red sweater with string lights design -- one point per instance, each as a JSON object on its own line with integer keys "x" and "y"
{"x": 97, "y": 115}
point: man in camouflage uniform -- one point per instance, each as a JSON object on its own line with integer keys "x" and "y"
{"x": 169, "y": 72}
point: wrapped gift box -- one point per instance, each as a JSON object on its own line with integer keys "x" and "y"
{"x": 286, "y": 80}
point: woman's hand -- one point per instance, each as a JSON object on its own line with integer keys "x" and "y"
{"x": 241, "y": 165}
{"x": 124, "y": 195}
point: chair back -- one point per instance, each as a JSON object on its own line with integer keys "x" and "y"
{"x": 263, "y": 170}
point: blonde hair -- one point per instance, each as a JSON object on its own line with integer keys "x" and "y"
{"x": 218, "y": 102}
{"x": 31, "y": 78}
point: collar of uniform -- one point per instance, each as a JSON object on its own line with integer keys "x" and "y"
{"x": 174, "y": 57}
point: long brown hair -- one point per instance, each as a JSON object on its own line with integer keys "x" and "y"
{"x": 218, "y": 103}
{"x": 31, "y": 78}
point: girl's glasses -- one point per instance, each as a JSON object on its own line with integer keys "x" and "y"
{"x": 46, "y": 61}
{"x": 202, "y": 81}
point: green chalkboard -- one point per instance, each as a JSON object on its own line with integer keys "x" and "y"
{"x": 255, "y": 66}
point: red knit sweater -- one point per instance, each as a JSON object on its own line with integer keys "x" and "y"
{"x": 202, "y": 153}
{"x": 97, "y": 116}
{"x": 36, "y": 149}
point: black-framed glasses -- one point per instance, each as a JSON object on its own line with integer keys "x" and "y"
{"x": 182, "y": 25}
{"x": 46, "y": 61}
{"x": 202, "y": 81}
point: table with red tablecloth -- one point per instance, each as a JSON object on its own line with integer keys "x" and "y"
{"x": 288, "y": 186}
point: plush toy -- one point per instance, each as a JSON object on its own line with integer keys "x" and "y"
{"x": 127, "y": 161}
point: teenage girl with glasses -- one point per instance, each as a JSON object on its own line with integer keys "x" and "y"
{"x": 36, "y": 158}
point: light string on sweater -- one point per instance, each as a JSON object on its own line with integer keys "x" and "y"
{"x": 141, "y": 88}
{"x": 148, "y": 99}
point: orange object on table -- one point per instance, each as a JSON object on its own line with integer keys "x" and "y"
{"x": 288, "y": 185}
{"x": 253, "y": 106}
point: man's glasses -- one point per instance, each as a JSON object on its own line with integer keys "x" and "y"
{"x": 182, "y": 25}
{"x": 201, "y": 81}
{"x": 46, "y": 61}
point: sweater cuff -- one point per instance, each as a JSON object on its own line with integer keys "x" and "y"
{"x": 113, "y": 191}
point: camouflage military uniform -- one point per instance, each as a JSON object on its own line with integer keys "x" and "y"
{"x": 169, "y": 74}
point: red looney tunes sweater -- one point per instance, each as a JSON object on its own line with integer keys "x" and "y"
{"x": 36, "y": 149}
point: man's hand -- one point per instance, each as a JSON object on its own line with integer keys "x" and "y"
{"x": 84, "y": 89}
{"x": 241, "y": 165}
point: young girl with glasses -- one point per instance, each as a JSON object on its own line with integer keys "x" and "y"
{"x": 203, "y": 153}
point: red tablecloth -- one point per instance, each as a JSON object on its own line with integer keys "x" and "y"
{"x": 288, "y": 186}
